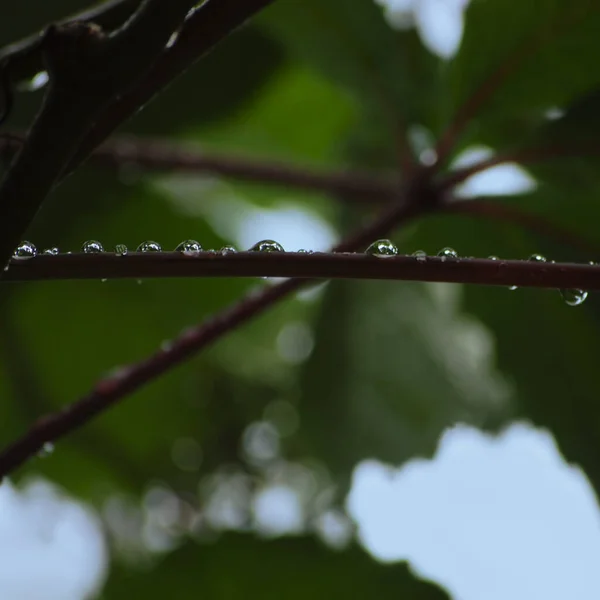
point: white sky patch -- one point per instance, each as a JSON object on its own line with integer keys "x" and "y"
{"x": 292, "y": 226}
{"x": 489, "y": 518}
{"x": 503, "y": 180}
{"x": 278, "y": 511}
{"x": 51, "y": 547}
{"x": 440, "y": 23}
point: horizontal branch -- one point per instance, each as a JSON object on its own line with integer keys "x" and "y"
{"x": 154, "y": 155}
{"x": 308, "y": 266}
{"x": 157, "y": 155}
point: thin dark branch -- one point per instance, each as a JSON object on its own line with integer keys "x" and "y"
{"x": 522, "y": 273}
{"x": 87, "y": 69}
{"x": 116, "y": 387}
{"x": 488, "y": 87}
{"x": 158, "y": 155}
{"x": 202, "y": 30}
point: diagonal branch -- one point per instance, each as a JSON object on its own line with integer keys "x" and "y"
{"x": 309, "y": 266}
{"x": 524, "y": 156}
{"x": 116, "y": 387}
{"x": 87, "y": 69}
{"x": 202, "y": 30}
{"x": 23, "y": 59}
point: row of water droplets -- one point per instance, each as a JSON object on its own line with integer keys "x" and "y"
{"x": 383, "y": 248}
{"x": 380, "y": 248}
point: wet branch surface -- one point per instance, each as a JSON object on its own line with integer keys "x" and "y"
{"x": 522, "y": 273}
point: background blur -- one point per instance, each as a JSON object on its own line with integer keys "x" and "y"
{"x": 362, "y": 439}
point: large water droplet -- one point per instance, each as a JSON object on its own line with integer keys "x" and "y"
{"x": 92, "y": 247}
{"x": 574, "y": 297}
{"x": 537, "y": 258}
{"x": 24, "y": 251}
{"x": 382, "y": 248}
{"x": 420, "y": 255}
{"x": 121, "y": 250}
{"x": 189, "y": 247}
{"x": 447, "y": 253}
{"x": 267, "y": 246}
{"x": 225, "y": 250}
{"x": 149, "y": 246}
{"x": 51, "y": 251}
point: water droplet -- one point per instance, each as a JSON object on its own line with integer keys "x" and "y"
{"x": 592, "y": 263}
{"x": 574, "y": 297}
{"x": 382, "y": 248}
{"x": 103, "y": 280}
{"x": 189, "y": 247}
{"x": 492, "y": 257}
{"x": 92, "y": 247}
{"x": 149, "y": 246}
{"x": 537, "y": 258}
{"x": 447, "y": 253}
{"x": 51, "y": 251}
{"x": 512, "y": 288}
{"x": 303, "y": 251}
{"x": 420, "y": 255}
{"x": 225, "y": 250}
{"x": 121, "y": 250}
{"x": 46, "y": 450}
{"x": 267, "y": 246}
{"x": 24, "y": 251}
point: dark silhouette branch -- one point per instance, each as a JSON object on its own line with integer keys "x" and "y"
{"x": 522, "y": 273}
{"x": 202, "y": 30}
{"x": 87, "y": 68}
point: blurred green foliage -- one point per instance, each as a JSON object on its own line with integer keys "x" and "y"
{"x": 392, "y": 365}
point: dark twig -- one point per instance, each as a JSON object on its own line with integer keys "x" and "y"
{"x": 117, "y": 386}
{"x": 308, "y": 266}
{"x": 163, "y": 156}
{"x": 202, "y": 30}
{"x": 87, "y": 69}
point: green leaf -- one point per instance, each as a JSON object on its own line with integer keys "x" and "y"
{"x": 390, "y": 70}
{"x": 243, "y": 566}
{"x": 392, "y": 368}
{"x": 518, "y": 59}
